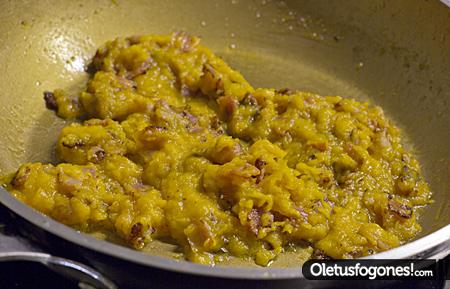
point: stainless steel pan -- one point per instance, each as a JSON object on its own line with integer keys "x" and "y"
{"x": 394, "y": 53}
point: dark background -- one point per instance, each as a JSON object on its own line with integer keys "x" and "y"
{"x": 26, "y": 275}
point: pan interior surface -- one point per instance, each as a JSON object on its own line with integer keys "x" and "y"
{"x": 384, "y": 52}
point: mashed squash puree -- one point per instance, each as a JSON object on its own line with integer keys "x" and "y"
{"x": 173, "y": 144}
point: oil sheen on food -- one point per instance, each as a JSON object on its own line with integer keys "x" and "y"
{"x": 168, "y": 142}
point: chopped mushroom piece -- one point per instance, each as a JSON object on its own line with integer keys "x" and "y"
{"x": 228, "y": 105}
{"x": 260, "y": 164}
{"x": 399, "y": 209}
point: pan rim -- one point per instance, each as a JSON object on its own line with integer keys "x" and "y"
{"x": 439, "y": 239}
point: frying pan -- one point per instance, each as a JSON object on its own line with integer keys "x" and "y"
{"x": 395, "y": 54}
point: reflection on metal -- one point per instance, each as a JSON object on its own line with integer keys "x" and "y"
{"x": 66, "y": 47}
{"x": 446, "y": 2}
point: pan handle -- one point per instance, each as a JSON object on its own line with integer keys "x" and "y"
{"x": 13, "y": 247}
{"x": 87, "y": 276}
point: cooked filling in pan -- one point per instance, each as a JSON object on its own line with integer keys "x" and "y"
{"x": 168, "y": 142}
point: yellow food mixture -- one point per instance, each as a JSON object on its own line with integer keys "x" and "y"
{"x": 173, "y": 144}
